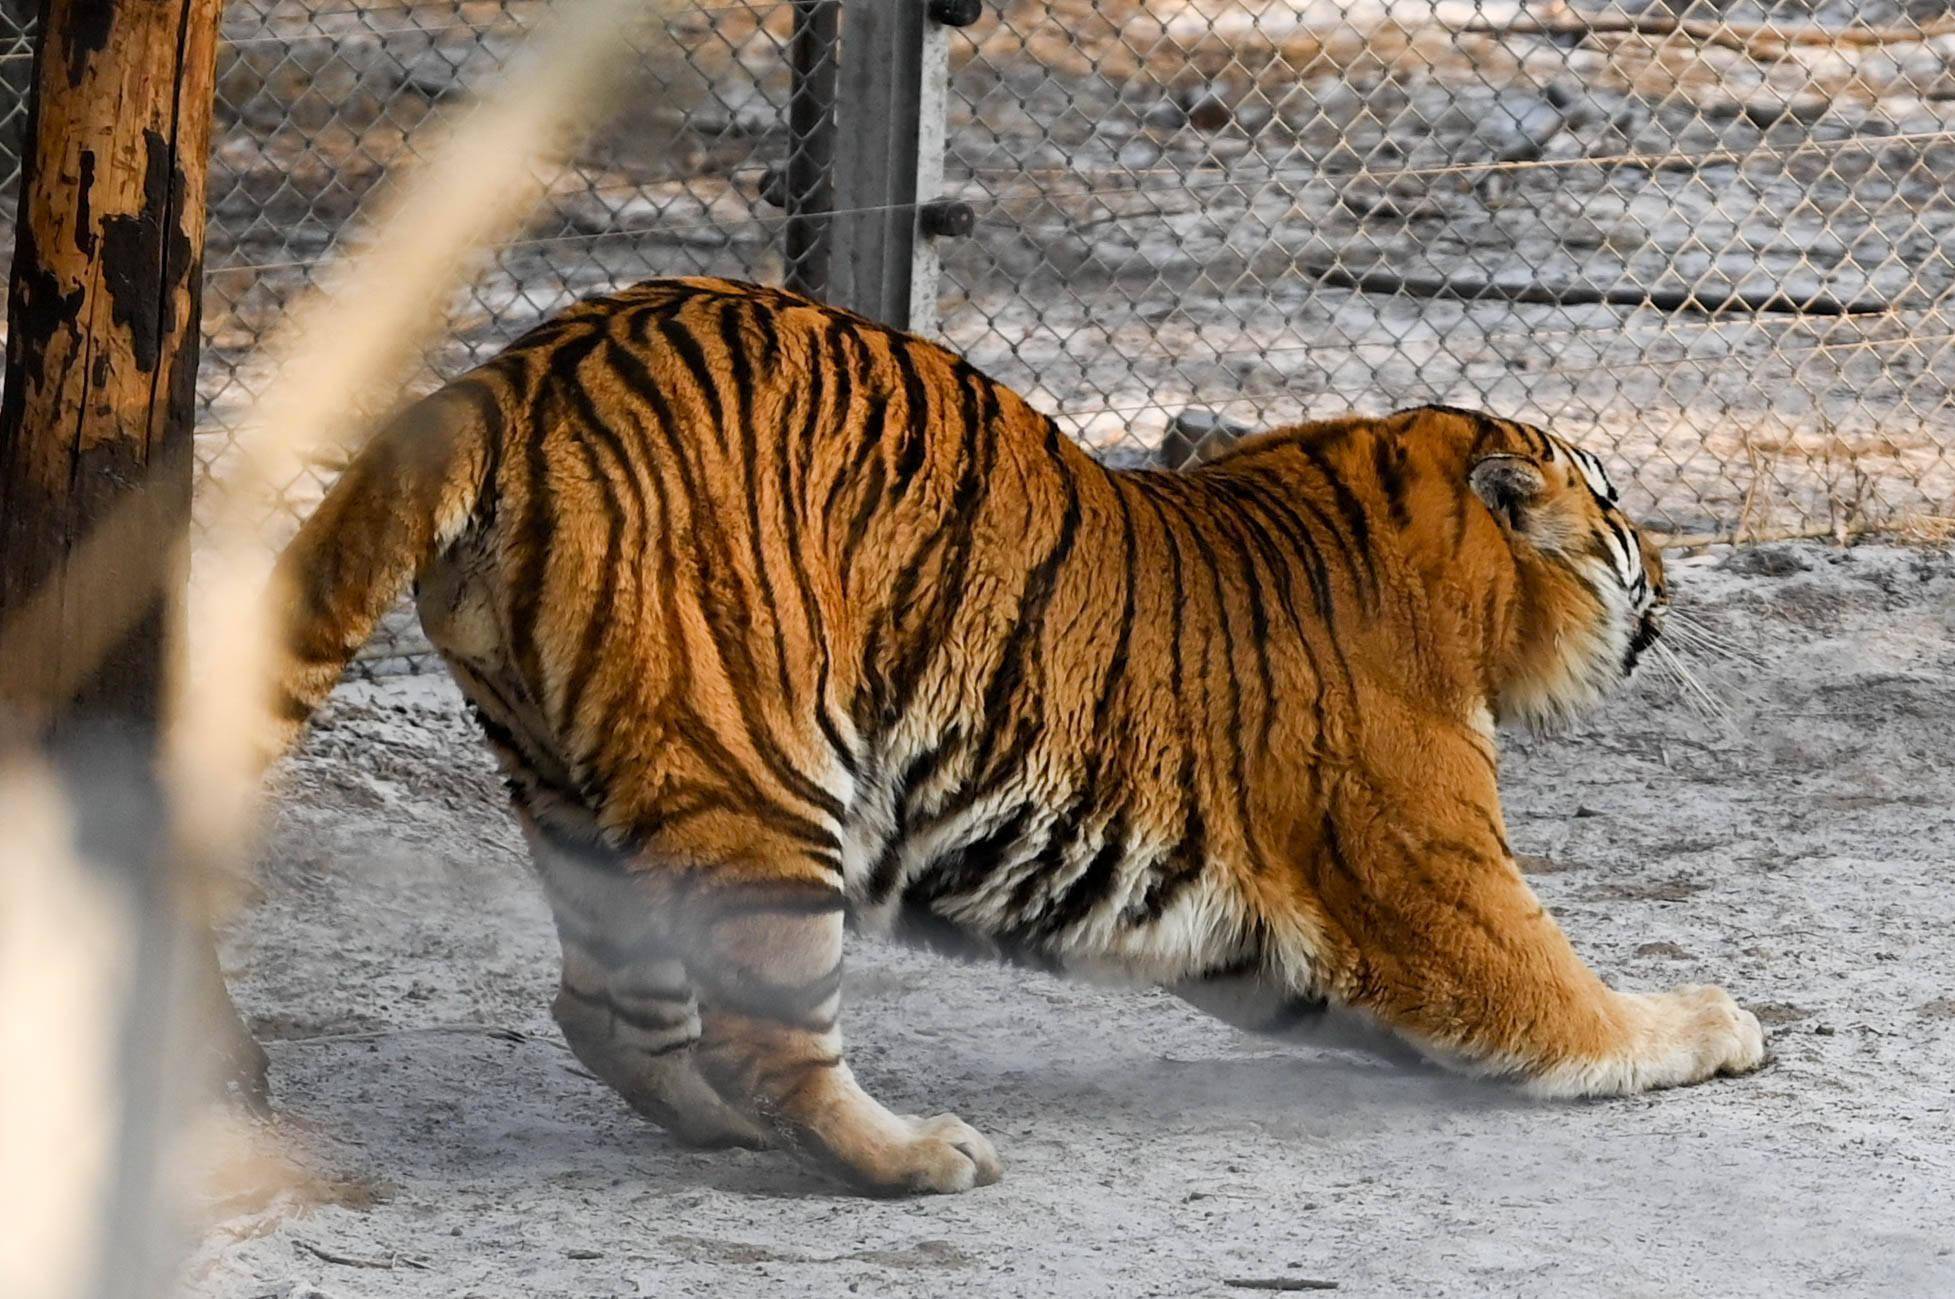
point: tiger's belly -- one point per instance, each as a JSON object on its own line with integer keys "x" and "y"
{"x": 1055, "y": 877}
{"x": 1024, "y": 876}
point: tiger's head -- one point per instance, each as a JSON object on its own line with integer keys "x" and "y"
{"x": 1590, "y": 594}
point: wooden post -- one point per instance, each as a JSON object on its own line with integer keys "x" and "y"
{"x": 102, "y": 320}
{"x": 96, "y": 423}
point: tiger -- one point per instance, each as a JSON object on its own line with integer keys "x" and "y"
{"x": 783, "y": 623}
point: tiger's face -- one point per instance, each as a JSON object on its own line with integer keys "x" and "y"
{"x": 1593, "y": 590}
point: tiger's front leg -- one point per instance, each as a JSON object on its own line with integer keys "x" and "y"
{"x": 1452, "y": 950}
{"x": 767, "y": 958}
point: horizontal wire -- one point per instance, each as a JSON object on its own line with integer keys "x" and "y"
{"x": 510, "y": 17}
{"x": 1644, "y": 331}
{"x": 753, "y": 217}
{"x": 509, "y": 9}
{"x": 1196, "y": 183}
{"x": 1644, "y": 161}
{"x": 1075, "y": 413}
{"x": 1656, "y": 333}
{"x": 1184, "y": 184}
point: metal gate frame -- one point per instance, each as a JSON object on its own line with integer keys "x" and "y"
{"x": 863, "y": 218}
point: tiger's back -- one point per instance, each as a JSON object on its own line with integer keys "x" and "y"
{"x": 775, "y": 616}
{"x": 772, "y": 586}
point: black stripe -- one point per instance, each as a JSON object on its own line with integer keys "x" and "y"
{"x": 610, "y": 955}
{"x": 633, "y": 374}
{"x": 1388, "y": 460}
{"x": 1034, "y": 602}
{"x": 1228, "y": 526}
{"x": 743, "y": 993}
{"x": 792, "y": 502}
{"x": 640, "y": 1020}
{"x": 1060, "y": 837}
{"x": 866, "y": 506}
{"x": 921, "y": 767}
{"x": 916, "y": 418}
{"x": 763, "y": 318}
{"x": 976, "y": 408}
{"x": 723, "y": 901}
{"x": 598, "y": 613}
{"x": 539, "y": 526}
{"x": 677, "y": 336}
{"x": 1223, "y": 628}
{"x": 1176, "y": 668}
{"x": 1291, "y": 527}
{"x": 1351, "y": 509}
{"x": 971, "y": 866}
{"x": 867, "y": 441}
{"x": 773, "y": 812}
{"x": 1273, "y": 556}
{"x": 476, "y": 389}
{"x": 1183, "y": 864}
{"x": 735, "y": 340}
{"x": 1129, "y": 579}
{"x": 1092, "y": 886}
{"x": 672, "y": 811}
{"x": 766, "y": 1082}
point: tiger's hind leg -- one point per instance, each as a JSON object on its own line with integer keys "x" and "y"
{"x": 768, "y": 961}
{"x": 624, "y": 1002}
{"x": 1256, "y": 1003}
{"x": 634, "y": 1023}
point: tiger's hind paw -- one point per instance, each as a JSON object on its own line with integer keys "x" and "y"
{"x": 942, "y": 1155}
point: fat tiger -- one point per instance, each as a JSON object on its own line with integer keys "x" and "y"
{"x": 781, "y": 622}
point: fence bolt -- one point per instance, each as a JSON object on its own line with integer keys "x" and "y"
{"x": 773, "y": 186}
{"x": 956, "y": 13}
{"x": 946, "y": 218}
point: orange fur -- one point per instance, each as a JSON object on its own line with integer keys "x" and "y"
{"x": 779, "y": 619}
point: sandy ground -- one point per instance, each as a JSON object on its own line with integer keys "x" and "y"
{"x": 401, "y": 961}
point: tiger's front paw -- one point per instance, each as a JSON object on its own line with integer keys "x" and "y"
{"x": 1710, "y": 1034}
{"x": 1667, "y": 1039}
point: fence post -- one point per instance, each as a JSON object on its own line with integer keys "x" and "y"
{"x": 891, "y": 99}
{"x": 811, "y": 145}
{"x": 103, "y": 312}
{"x": 877, "y": 106}
{"x": 933, "y": 95}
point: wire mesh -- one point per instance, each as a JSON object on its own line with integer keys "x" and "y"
{"x": 319, "y": 100}
{"x": 1717, "y": 242}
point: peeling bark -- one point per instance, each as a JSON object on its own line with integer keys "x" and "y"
{"x": 102, "y": 330}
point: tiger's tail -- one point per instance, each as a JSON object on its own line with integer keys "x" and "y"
{"x": 404, "y": 498}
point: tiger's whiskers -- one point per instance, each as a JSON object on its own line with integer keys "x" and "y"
{"x": 1691, "y": 687}
{"x": 1693, "y": 633}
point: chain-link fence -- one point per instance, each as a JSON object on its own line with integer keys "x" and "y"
{"x": 1718, "y": 242}
{"x": 317, "y": 100}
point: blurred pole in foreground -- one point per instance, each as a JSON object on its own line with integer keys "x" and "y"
{"x": 95, "y": 451}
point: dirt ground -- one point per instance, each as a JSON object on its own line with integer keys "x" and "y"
{"x": 401, "y": 960}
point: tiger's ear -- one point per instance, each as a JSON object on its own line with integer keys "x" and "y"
{"x": 1509, "y": 484}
